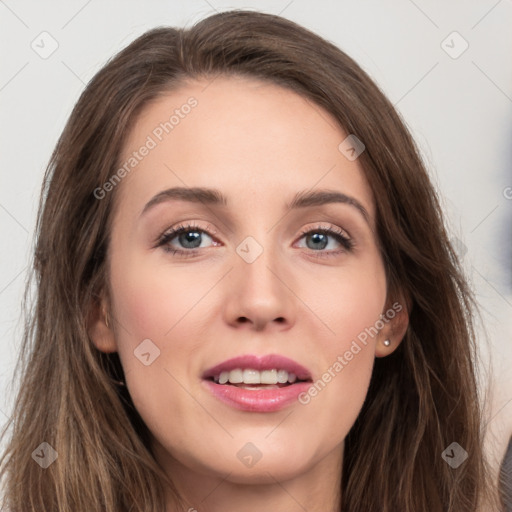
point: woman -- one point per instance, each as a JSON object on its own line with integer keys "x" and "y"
{"x": 246, "y": 295}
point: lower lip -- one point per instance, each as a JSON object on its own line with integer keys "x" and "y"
{"x": 257, "y": 400}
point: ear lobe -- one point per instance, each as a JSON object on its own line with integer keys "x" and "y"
{"x": 395, "y": 328}
{"x": 101, "y": 334}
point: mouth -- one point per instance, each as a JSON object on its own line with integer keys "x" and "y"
{"x": 257, "y": 384}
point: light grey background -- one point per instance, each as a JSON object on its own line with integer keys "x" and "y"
{"x": 458, "y": 107}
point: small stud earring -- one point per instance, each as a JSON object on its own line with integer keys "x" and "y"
{"x": 387, "y": 343}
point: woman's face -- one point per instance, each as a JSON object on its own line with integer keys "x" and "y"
{"x": 255, "y": 278}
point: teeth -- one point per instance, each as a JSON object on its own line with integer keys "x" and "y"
{"x": 268, "y": 377}
{"x": 236, "y": 376}
{"x": 282, "y": 376}
{"x": 250, "y": 376}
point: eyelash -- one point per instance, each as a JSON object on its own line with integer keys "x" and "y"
{"x": 337, "y": 234}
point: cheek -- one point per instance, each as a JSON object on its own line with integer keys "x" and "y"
{"x": 338, "y": 391}
{"x": 146, "y": 311}
{"x": 157, "y": 335}
{"x": 150, "y": 302}
{"x": 351, "y": 301}
{"x": 154, "y": 338}
{"x": 351, "y": 312}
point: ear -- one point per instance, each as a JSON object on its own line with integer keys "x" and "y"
{"x": 99, "y": 326}
{"x": 395, "y": 318}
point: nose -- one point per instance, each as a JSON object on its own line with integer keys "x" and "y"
{"x": 259, "y": 295}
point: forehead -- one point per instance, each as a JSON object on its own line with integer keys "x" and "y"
{"x": 249, "y": 138}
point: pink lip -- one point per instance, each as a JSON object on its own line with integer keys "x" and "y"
{"x": 259, "y": 363}
{"x": 258, "y": 400}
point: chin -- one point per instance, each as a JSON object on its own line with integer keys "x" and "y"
{"x": 251, "y": 462}
{"x": 263, "y": 472}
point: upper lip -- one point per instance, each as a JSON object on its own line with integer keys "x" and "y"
{"x": 260, "y": 363}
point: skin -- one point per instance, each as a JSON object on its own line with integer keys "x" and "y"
{"x": 259, "y": 144}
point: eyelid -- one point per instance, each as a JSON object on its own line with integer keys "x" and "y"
{"x": 191, "y": 226}
{"x": 332, "y": 230}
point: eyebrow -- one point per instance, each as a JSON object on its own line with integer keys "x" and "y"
{"x": 214, "y": 197}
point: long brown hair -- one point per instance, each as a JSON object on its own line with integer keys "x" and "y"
{"x": 421, "y": 399}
